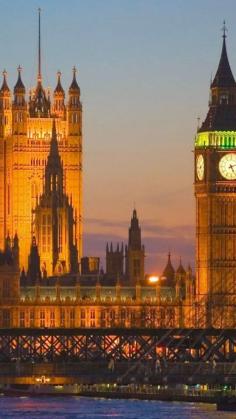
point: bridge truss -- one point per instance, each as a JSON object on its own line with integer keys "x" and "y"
{"x": 177, "y": 345}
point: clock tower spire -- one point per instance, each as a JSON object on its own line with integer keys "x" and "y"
{"x": 215, "y": 192}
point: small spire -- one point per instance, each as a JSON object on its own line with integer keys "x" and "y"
{"x": 74, "y": 84}
{"x": 59, "y": 88}
{"x": 134, "y": 213}
{"x": 4, "y": 87}
{"x": 39, "y": 46}
{"x": 224, "y": 30}
{"x": 53, "y": 144}
{"x": 169, "y": 272}
{"x": 19, "y": 84}
{"x": 180, "y": 269}
{"x": 15, "y": 240}
{"x": 224, "y": 76}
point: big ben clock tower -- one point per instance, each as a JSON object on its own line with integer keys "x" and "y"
{"x": 215, "y": 191}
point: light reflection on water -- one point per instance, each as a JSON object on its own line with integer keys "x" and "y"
{"x": 86, "y": 408}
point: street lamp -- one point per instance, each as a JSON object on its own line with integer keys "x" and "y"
{"x": 153, "y": 279}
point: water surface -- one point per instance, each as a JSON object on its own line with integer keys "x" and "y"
{"x": 88, "y": 408}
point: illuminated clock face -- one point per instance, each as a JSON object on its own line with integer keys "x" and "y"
{"x": 200, "y": 167}
{"x": 227, "y": 166}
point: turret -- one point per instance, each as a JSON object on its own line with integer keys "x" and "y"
{"x": 54, "y": 169}
{"x": 10, "y": 276}
{"x": 39, "y": 104}
{"x": 59, "y": 98}
{"x": 19, "y": 107}
{"x": 168, "y": 275}
{"x": 222, "y": 107}
{"x": 54, "y": 218}
{"x": 180, "y": 279}
{"x": 135, "y": 252}
{"x": 34, "y": 263}
{"x": 114, "y": 260}
{"x": 5, "y": 108}
{"x": 74, "y": 108}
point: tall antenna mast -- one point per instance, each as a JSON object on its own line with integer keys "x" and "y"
{"x": 39, "y": 47}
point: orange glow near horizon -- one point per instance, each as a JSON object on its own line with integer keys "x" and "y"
{"x": 153, "y": 279}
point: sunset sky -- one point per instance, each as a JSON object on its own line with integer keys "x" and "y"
{"x": 144, "y": 72}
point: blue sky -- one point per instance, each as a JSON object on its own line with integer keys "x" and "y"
{"x": 144, "y": 71}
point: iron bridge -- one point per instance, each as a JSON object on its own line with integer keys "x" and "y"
{"x": 120, "y": 344}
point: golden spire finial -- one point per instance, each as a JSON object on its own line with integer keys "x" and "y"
{"x": 19, "y": 69}
{"x": 39, "y": 45}
{"x": 4, "y": 73}
{"x": 224, "y": 30}
{"x": 74, "y": 70}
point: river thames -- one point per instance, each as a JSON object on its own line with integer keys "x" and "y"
{"x": 86, "y": 408}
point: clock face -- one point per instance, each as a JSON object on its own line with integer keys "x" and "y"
{"x": 200, "y": 167}
{"x": 227, "y": 166}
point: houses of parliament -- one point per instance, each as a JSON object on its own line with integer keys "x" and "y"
{"x": 45, "y": 281}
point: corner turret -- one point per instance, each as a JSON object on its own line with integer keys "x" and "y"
{"x": 5, "y": 108}
{"x": 59, "y": 99}
{"x": 19, "y": 107}
{"x": 74, "y": 108}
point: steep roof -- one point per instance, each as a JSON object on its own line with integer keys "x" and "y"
{"x": 19, "y": 86}
{"x": 224, "y": 76}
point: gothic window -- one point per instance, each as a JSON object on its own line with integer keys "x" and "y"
{"x": 224, "y": 99}
{"x": 103, "y": 318}
{"x": 92, "y": 314}
{"x": 42, "y": 318}
{"x": 60, "y": 233}
{"x": 82, "y": 318}
{"x": 52, "y": 318}
{"x": 92, "y": 318}
{"x": 74, "y": 100}
{"x": 6, "y": 318}
{"x": 31, "y": 318}
{"x": 112, "y": 316}
{"x": 74, "y": 118}
{"x": 122, "y": 314}
{"x": 63, "y": 317}
{"x": 19, "y": 117}
{"x": 132, "y": 318}
{"x": 72, "y": 317}
{"x": 22, "y": 318}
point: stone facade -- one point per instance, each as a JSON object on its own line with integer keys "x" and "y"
{"x": 215, "y": 191}
{"x": 25, "y": 135}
